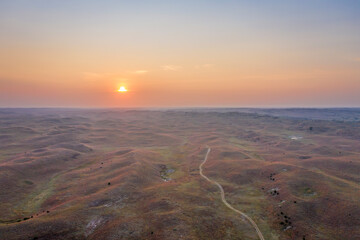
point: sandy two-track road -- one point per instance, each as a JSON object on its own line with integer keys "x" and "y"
{"x": 224, "y": 199}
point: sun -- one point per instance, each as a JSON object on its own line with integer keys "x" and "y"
{"x": 122, "y": 89}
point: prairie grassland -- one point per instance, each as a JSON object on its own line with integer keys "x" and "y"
{"x": 131, "y": 174}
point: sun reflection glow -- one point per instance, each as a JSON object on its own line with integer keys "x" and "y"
{"x": 122, "y": 89}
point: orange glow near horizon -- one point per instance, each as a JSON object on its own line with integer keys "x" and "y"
{"x": 169, "y": 57}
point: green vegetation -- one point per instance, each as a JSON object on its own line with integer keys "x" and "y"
{"x": 141, "y": 180}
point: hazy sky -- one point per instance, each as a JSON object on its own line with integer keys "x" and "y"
{"x": 179, "y": 53}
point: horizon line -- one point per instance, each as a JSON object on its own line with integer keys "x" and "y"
{"x": 196, "y": 107}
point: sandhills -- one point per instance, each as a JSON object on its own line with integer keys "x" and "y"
{"x": 134, "y": 174}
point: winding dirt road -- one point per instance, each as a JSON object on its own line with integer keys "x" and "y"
{"x": 224, "y": 199}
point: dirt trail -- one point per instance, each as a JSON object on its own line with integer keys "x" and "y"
{"x": 224, "y": 199}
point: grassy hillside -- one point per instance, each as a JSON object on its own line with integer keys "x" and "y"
{"x": 127, "y": 174}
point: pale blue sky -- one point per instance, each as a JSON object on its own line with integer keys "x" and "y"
{"x": 319, "y": 38}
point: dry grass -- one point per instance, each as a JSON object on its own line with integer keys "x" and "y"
{"x": 100, "y": 174}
